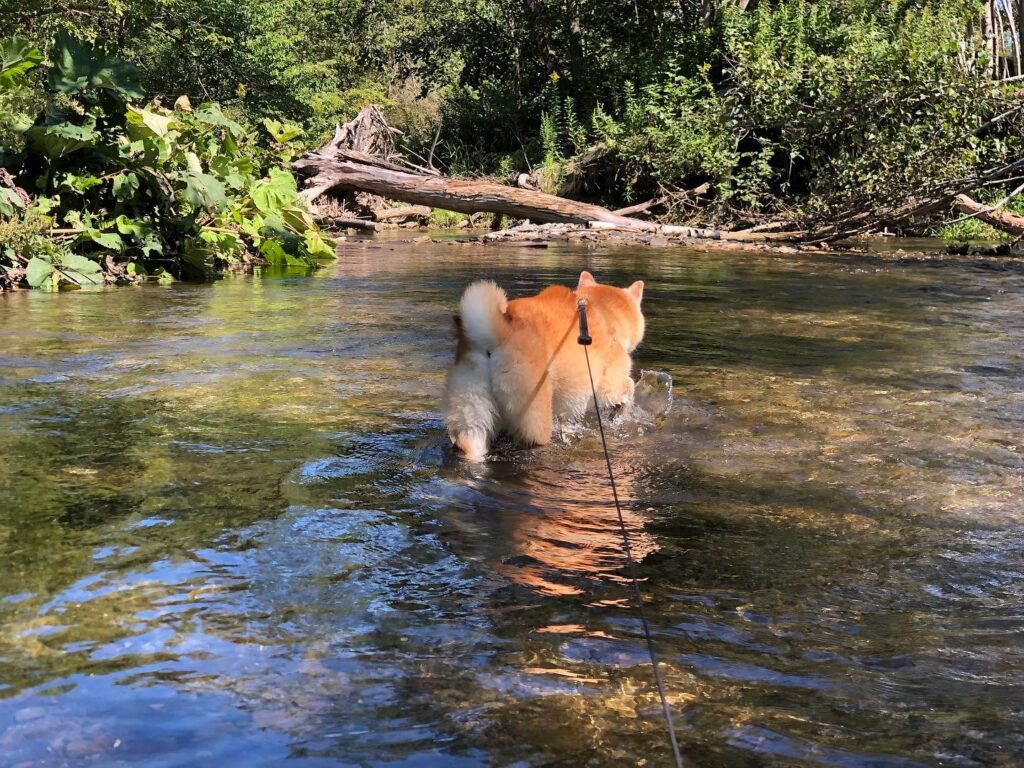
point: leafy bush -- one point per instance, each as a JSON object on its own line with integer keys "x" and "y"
{"x": 815, "y": 108}
{"x": 131, "y": 189}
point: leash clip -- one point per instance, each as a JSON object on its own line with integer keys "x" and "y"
{"x": 584, "y": 337}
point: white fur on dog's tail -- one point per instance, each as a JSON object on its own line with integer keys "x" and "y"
{"x": 470, "y": 411}
{"x": 482, "y": 308}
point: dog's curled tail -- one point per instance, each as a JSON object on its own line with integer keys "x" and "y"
{"x": 482, "y": 310}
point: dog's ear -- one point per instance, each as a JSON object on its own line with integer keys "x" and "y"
{"x": 636, "y": 290}
{"x": 586, "y": 280}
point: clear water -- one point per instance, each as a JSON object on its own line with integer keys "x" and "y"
{"x": 230, "y": 534}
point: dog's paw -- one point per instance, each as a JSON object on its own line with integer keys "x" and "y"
{"x": 471, "y": 444}
{"x": 621, "y": 398}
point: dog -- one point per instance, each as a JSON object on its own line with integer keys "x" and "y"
{"x": 518, "y": 365}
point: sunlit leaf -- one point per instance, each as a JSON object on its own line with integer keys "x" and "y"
{"x": 109, "y": 240}
{"x": 205, "y": 191}
{"x": 17, "y": 56}
{"x": 281, "y": 132}
{"x": 56, "y": 141}
{"x": 78, "y": 65}
{"x": 317, "y": 247}
{"x": 38, "y": 271}
{"x": 80, "y": 270}
{"x": 158, "y": 124}
{"x": 125, "y": 186}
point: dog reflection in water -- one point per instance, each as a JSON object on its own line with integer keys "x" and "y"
{"x": 550, "y": 525}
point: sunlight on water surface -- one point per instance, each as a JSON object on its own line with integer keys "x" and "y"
{"x": 230, "y": 532}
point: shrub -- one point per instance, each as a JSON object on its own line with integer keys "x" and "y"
{"x": 131, "y": 189}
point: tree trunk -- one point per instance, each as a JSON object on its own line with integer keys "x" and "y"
{"x": 1020, "y": 35}
{"x": 988, "y": 31}
{"x": 469, "y": 196}
{"x": 1001, "y": 220}
{"x": 405, "y": 212}
{"x": 1015, "y": 39}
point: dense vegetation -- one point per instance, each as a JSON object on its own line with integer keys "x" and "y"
{"x": 108, "y": 186}
{"x": 809, "y": 111}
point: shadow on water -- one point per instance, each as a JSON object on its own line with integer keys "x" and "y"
{"x": 229, "y": 530}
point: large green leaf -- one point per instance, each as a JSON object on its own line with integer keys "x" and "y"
{"x": 125, "y": 186}
{"x": 109, "y": 240}
{"x": 38, "y": 271}
{"x": 273, "y": 252}
{"x": 10, "y": 202}
{"x": 281, "y": 132}
{"x": 56, "y": 141}
{"x": 17, "y": 56}
{"x": 151, "y": 245}
{"x": 157, "y": 124}
{"x": 78, "y": 65}
{"x": 80, "y": 270}
{"x": 78, "y": 183}
{"x": 317, "y": 247}
{"x": 205, "y": 191}
{"x": 210, "y": 114}
{"x": 272, "y": 194}
{"x": 140, "y": 230}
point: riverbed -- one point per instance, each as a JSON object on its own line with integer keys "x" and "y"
{"x": 231, "y": 533}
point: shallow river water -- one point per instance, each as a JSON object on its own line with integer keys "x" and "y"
{"x": 230, "y": 533}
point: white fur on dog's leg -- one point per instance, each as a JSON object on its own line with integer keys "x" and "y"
{"x": 472, "y": 444}
{"x": 470, "y": 412}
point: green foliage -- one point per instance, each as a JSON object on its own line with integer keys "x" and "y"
{"x": 79, "y": 67}
{"x": 443, "y": 219}
{"x": 17, "y": 57}
{"x": 962, "y": 229}
{"x": 813, "y": 108}
{"x": 143, "y": 190}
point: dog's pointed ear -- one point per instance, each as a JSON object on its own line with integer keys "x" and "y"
{"x": 636, "y": 290}
{"x": 586, "y": 280}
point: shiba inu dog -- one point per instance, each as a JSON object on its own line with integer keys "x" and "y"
{"x": 518, "y": 365}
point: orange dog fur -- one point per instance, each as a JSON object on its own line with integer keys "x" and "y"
{"x": 518, "y": 365}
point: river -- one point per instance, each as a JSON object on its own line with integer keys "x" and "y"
{"x": 231, "y": 535}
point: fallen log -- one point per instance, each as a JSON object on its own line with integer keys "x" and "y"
{"x": 991, "y": 215}
{"x": 469, "y": 196}
{"x": 361, "y": 158}
{"x": 640, "y": 207}
{"x": 349, "y": 222}
{"x": 404, "y": 212}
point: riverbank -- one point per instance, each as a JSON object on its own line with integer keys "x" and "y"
{"x": 543, "y": 236}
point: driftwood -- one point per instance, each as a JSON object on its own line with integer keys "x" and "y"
{"x": 343, "y": 165}
{"x": 991, "y": 215}
{"x": 942, "y": 197}
{"x": 362, "y": 158}
{"x": 351, "y": 222}
{"x": 405, "y": 212}
{"x": 654, "y": 202}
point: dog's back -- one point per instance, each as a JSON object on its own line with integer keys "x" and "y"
{"x": 517, "y": 364}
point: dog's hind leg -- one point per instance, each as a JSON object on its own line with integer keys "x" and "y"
{"x": 524, "y": 391}
{"x": 470, "y": 412}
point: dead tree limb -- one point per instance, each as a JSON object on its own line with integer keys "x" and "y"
{"x": 404, "y": 212}
{"x": 471, "y": 195}
{"x": 361, "y": 157}
{"x": 350, "y": 222}
{"x": 654, "y": 202}
{"x": 991, "y": 215}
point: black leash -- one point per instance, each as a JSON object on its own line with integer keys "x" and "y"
{"x": 585, "y": 341}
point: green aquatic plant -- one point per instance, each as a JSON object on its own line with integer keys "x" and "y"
{"x": 102, "y": 187}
